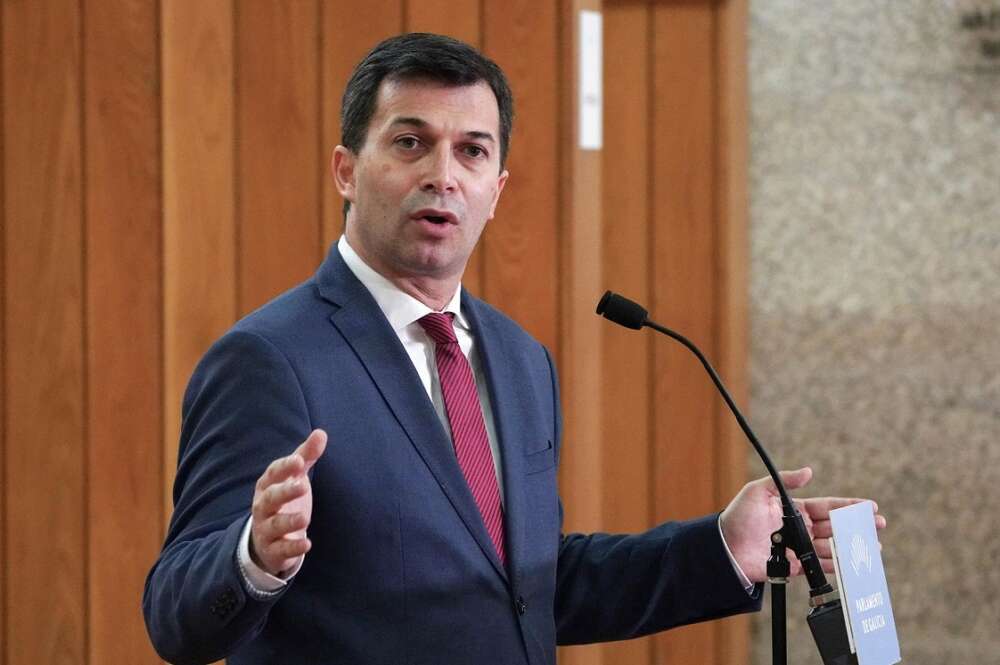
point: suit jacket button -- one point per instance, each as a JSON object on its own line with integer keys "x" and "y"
{"x": 521, "y": 606}
{"x": 224, "y": 603}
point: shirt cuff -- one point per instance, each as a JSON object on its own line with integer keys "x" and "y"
{"x": 744, "y": 580}
{"x": 259, "y": 582}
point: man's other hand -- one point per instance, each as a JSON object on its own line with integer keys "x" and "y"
{"x": 282, "y": 508}
{"x": 751, "y": 517}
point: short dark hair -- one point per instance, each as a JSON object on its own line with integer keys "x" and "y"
{"x": 414, "y": 56}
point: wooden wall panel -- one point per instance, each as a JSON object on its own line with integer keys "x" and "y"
{"x": 346, "y": 37}
{"x": 4, "y": 557}
{"x": 582, "y": 480}
{"x": 684, "y": 280}
{"x": 626, "y": 373}
{"x": 626, "y": 235}
{"x": 732, "y": 269}
{"x": 456, "y": 18}
{"x": 732, "y": 262}
{"x": 520, "y": 264}
{"x": 278, "y": 179}
{"x": 199, "y": 264}
{"x": 45, "y": 368}
{"x": 683, "y": 171}
{"x": 179, "y": 176}
{"x": 460, "y": 19}
{"x": 124, "y": 333}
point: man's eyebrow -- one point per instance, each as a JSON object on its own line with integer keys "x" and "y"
{"x": 406, "y": 120}
{"x": 483, "y": 136}
{"x": 421, "y": 123}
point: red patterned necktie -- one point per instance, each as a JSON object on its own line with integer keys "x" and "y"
{"x": 468, "y": 430}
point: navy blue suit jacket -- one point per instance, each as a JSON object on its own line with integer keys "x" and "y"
{"x": 402, "y": 570}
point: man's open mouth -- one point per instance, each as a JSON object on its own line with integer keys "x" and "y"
{"x": 436, "y": 216}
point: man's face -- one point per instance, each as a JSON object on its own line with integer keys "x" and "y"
{"x": 426, "y": 180}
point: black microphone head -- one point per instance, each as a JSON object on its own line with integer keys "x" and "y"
{"x": 622, "y": 311}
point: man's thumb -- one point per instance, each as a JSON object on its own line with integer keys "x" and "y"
{"x": 797, "y": 478}
{"x": 312, "y": 448}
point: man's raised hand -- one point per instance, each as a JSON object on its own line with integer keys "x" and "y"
{"x": 749, "y": 519}
{"x": 282, "y": 508}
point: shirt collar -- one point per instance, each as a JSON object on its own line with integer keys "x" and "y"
{"x": 400, "y": 308}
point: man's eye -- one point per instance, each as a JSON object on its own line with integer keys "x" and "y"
{"x": 474, "y": 151}
{"x": 407, "y": 142}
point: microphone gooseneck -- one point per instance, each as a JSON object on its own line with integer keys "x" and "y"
{"x": 629, "y": 314}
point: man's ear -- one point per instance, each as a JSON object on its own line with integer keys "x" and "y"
{"x": 342, "y": 167}
{"x": 501, "y": 181}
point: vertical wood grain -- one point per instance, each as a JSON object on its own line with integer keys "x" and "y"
{"x": 684, "y": 281}
{"x": 580, "y": 281}
{"x": 684, "y": 236}
{"x": 625, "y": 236}
{"x": 460, "y": 19}
{"x": 278, "y": 156}
{"x": 456, "y": 18}
{"x": 184, "y": 179}
{"x": 732, "y": 265}
{"x": 732, "y": 201}
{"x": 199, "y": 266}
{"x": 44, "y": 281}
{"x": 580, "y": 275}
{"x": 346, "y": 37}
{"x": 520, "y": 262}
{"x": 626, "y": 380}
{"x": 122, "y": 164}
{"x": 4, "y": 557}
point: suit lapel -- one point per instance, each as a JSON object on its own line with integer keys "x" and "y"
{"x": 498, "y": 362}
{"x": 365, "y": 328}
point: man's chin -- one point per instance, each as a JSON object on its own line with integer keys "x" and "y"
{"x": 435, "y": 265}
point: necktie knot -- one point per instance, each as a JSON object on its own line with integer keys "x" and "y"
{"x": 438, "y": 327}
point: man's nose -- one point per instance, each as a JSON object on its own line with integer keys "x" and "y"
{"x": 439, "y": 175}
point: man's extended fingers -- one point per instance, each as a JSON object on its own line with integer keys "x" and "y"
{"x": 800, "y": 505}
{"x": 287, "y": 550}
{"x": 281, "y": 525}
{"x": 819, "y": 508}
{"x": 270, "y": 501}
{"x": 822, "y": 529}
{"x": 300, "y": 461}
{"x": 280, "y": 470}
{"x": 823, "y": 548}
{"x": 312, "y": 448}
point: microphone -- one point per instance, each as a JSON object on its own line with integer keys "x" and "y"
{"x": 622, "y": 311}
{"x": 825, "y": 618}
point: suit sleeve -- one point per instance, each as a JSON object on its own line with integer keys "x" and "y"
{"x": 243, "y": 408}
{"x": 621, "y": 586}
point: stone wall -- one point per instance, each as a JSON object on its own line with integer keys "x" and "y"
{"x": 875, "y": 293}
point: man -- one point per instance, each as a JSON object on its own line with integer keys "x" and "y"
{"x": 427, "y": 528}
